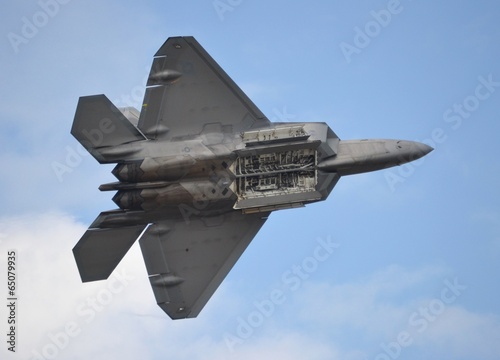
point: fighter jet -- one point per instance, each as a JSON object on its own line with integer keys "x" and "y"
{"x": 199, "y": 170}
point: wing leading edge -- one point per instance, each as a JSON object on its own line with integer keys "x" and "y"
{"x": 187, "y": 89}
{"x": 186, "y": 262}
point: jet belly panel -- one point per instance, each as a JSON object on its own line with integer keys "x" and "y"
{"x": 277, "y": 169}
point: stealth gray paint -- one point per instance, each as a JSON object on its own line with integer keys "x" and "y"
{"x": 200, "y": 169}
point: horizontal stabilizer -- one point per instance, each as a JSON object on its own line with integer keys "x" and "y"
{"x": 99, "y": 126}
{"x": 100, "y": 250}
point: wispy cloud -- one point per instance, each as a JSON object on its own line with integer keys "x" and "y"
{"x": 60, "y": 316}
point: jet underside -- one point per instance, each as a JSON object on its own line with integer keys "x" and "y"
{"x": 260, "y": 170}
{"x": 199, "y": 171}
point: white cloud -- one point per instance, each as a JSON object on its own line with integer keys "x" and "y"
{"x": 52, "y": 298}
{"x": 464, "y": 334}
{"x": 378, "y": 311}
{"x": 59, "y": 317}
{"x": 62, "y": 318}
{"x": 371, "y": 305}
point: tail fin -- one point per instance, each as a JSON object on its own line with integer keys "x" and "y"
{"x": 99, "y": 126}
{"x": 100, "y": 250}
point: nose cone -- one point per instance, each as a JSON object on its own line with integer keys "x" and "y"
{"x": 424, "y": 149}
{"x": 411, "y": 150}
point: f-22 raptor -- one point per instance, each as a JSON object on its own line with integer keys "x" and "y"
{"x": 199, "y": 170}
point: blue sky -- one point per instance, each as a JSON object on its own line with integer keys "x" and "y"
{"x": 412, "y": 271}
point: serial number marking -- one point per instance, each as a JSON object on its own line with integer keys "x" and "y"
{"x": 11, "y": 300}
